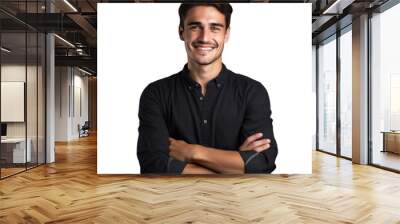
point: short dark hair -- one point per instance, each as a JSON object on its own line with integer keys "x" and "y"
{"x": 224, "y": 8}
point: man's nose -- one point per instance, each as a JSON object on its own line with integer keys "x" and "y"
{"x": 205, "y": 35}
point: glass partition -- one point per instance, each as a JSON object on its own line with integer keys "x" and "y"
{"x": 41, "y": 111}
{"x": 22, "y": 77}
{"x": 35, "y": 52}
{"x": 13, "y": 103}
{"x": 32, "y": 95}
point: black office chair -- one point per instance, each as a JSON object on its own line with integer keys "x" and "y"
{"x": 84, "y": 130}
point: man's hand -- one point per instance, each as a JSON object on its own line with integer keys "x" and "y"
{"x": 191, "y": 168}
{"x": 181, "y": 150}
{"x": 254, "y": 142}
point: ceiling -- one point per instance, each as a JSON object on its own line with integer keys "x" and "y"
{"x": 76, "y": 22}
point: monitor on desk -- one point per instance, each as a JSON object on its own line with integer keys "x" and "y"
{"x": 3, "y": 130}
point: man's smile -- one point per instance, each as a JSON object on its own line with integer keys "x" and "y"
{"x": 204, "y": 48}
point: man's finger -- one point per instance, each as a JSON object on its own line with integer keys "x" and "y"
{"x": 258, "y": 143}
{"x": 252, "y": 138}
{"x": 262, "y": 147}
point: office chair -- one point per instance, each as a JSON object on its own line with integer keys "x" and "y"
{"x": 84, "y": 130}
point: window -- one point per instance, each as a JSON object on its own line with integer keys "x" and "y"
{"x": 346, "y": 92}
{"x": 385, "y": 88}
{"x": 327, "y": 95}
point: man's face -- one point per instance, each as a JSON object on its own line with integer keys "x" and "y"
{"x": 204, "y": 34}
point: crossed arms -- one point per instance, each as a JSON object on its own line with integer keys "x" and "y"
{"x": 207, "y": 160}
{"x": 159, "y": 153}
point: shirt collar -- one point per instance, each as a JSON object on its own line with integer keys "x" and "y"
{"x": 219, "y": 80}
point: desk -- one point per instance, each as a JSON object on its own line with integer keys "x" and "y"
{"x": 15, "y": 148}
{"x": 391, "y": 141}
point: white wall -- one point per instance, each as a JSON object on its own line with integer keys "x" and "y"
{"x": 80, "y": 83}
{"x": 16, "y": 73}
{"x": 70, "y": 83}
{"x": 61, "y": 103}
{"x": 270, "y": 55}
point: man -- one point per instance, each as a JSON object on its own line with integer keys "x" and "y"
{"x": 205, "y": 119}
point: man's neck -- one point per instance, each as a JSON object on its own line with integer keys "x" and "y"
{"x": 204, "y": 73}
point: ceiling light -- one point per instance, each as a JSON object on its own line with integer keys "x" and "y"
{"x": 64, "y": 40}
{"x": 84, "y": 71}
{"x": 5, "y": 50}
{"x": 70, "y": 5}
{"x": 338, "y": 6}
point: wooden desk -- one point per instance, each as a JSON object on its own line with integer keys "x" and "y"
{"x": 13, "y": 150}
{"x": 391, "y": 141}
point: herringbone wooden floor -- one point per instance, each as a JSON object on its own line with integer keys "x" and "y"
{"x": 70, "y": 191}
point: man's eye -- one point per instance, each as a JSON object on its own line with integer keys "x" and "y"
{"x": 194, "y": 27}
{"x": 215, "y": 28}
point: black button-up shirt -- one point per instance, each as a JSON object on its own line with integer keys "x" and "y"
{"x": 233, "y": 108}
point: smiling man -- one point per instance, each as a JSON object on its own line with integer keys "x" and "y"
{"x": 205, "y": 119}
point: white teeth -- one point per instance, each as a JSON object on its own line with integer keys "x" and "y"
{"x": 205, "y": 48}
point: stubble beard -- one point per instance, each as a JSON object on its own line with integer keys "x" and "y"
{"x": 211, "y": 61}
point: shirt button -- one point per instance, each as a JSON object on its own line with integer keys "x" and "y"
{"x": 218, "y": 85}
{"x": 201, "y": 98}
{"x": 204, "y": 121}
{"x": 190, "y": 88}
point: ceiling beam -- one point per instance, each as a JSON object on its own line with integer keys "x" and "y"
{"x": 337, "y": 6}
{"x": 85, "y": 61}
{"x": 84, "y": 24}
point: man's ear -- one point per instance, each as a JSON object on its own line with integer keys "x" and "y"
{"x": 227, "y": 33}
{"x": 180, "y": 30}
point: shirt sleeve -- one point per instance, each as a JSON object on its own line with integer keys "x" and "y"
{"x": 258, "y": 119}
{"x": 153, "y": 143}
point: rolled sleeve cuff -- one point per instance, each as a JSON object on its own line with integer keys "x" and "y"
{"x": 175, "y": 166}
{"x": 254, "y": 162}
